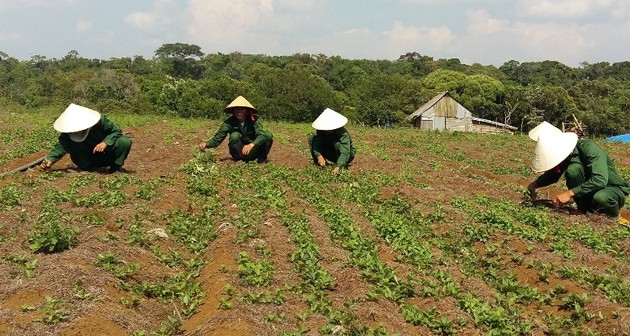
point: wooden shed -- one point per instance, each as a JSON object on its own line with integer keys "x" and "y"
{"x": 443, "y": 112}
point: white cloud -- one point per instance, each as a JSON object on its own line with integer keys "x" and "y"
{"x": 422, "y": 2}
{"x": 35, "y": 2}
{"x": 299, "y": 4}
{"x": 562, "y": 8}
{"x": 495, "y": 31}
{"x": 142, "y": 20}
{"x": 527, "y": 41}
{"x": 427, "y": 38}
{"x": 621, "y": 10}
{"x": 352, "y": 43}
{"x": 358, "y": 43}
{"x": 83, "y": 26}
{"x": 9, "y": 4}
{"x": 356, "y": 31}
{"x": 555, "y": 41}
{"x": 227, "y": 23}
{"x": 163, "y": 13}
{"x": 482, "y": 23}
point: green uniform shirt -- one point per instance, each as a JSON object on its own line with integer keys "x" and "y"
{"x": 598, "y": 168}
{"x": 252, "y": 131}
{"x": 341, "y": 136}
{"x": 104, "y": 131}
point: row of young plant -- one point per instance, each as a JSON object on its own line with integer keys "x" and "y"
{"x": 256, "y": 269}
{"x": 508, "y": 289}
{"x": 412, "y": 235}
{"x": 191, "y": 232}
{"x": 255, "y": 196}
{"x": 495, "y": 263}
{"x": 316, "y": 188}
{"x": 440, "y": 150}
{"x": 497, "y": 218}
{"x": 66, "y": 213}
{"x": 317, "y": 281}
{"x": 492, "y": 219}
{"x": 535, "y": 225}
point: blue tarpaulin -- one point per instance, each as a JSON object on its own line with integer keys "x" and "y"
{"x": 623, "y": 138}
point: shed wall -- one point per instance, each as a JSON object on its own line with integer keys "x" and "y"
{"x": 461, "y": 125}
{"x": 446, "y": 107}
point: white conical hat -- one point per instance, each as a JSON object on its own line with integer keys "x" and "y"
{"x": 76, "y": 118}
{"x": 551, "y": 149}
{"x": 543, "y": 128}
{"x": 329, "y": 120}
{"x": 240, "y": 101}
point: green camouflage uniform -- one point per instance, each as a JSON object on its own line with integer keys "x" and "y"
{"x": 335, "y": 146}
{"x": 250, "y": 131}
{"x": 81, "y": 153}
{"x": 592, "y": 177}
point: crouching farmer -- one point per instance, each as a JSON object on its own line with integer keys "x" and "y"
{"x": 91, "y": 139}
{"x": 591, "y": 178}
{"x": 331, "y": 142}
{"x": 248, "y": 139}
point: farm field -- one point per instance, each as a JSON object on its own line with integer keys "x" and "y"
{"x": 426, "y": 234}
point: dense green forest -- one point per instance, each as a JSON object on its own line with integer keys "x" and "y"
{"x": 182, "y": 80}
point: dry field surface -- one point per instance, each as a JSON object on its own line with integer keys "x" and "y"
{"x": 426, "y": 233}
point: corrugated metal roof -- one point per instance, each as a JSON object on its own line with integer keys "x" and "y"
{"x": 486, "y": 121}
{"x": 426, "y": 106}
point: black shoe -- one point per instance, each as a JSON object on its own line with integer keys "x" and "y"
{"x": 262, "y": 160}
{"x": 114, "y": 168}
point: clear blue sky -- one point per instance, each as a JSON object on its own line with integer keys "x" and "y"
{"x": 475, "y": 31}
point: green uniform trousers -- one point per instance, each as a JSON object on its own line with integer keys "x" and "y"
{"x": 331, "y": 151}
{"x": 260, "y": 152}
{"x": 607, "y": 200}
{"x": 82, "y": 154}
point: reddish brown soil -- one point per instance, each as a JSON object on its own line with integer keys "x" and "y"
{"x": 152, "y": 158}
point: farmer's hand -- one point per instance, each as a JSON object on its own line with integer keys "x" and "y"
{"x": 100, "y": 148}
{"x": 563, "y": 198}
{"x": 202, "y": 146}
{"x": 321, "y": 161}
{"x": 45, "y": 164}
{"x": 247, "y": 148}
{"x": 335, "y": 170}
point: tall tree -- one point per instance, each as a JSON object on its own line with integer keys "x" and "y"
{"x": 483, "y": 95}
{"x": 446, "y": 80}
{"x": 180, "y": 60}
{"x": 292, "y": 93}
{"x": 179, "y": 51}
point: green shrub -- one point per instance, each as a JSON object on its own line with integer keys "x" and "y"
{"x": 52, "y": 237}
{"x": 10, "y": 196}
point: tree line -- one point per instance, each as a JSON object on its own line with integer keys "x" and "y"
{"x": 181, "y": 80}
